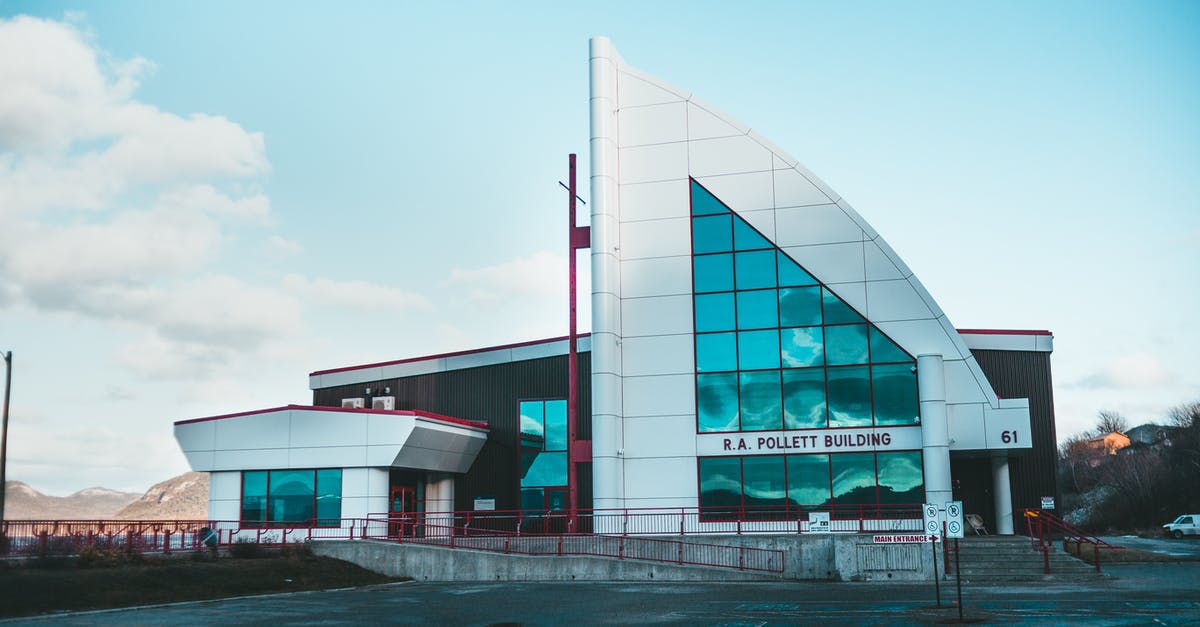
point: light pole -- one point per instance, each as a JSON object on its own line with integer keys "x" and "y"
{"x": 4, "y": 440}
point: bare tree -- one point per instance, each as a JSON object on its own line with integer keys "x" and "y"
{"x": 1184, "y": 416}
{"x": 1108, "y": 421}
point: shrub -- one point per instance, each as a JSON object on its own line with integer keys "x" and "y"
{"x": 96, "y": 557}
{"x": 245, "y": 549}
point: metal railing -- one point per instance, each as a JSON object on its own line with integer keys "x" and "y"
{"x": 598, "y": 545}
{"x": 1042, "y": 526}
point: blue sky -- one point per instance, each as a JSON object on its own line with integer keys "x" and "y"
{"x": 201, "y": 202}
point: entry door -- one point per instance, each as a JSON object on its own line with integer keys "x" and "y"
{"x": 402, "y": 511}
{"x": 556, "y": 499}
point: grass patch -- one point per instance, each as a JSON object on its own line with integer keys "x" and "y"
{"x": 1086, "y": 552}
{"x": 109, "y": 581}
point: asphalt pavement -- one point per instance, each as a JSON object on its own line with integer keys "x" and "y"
{"x": 1136, "y": 594}
{"x": 1187, "y": 546}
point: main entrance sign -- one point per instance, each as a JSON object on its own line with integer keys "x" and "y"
{"x": 809, "y": 441}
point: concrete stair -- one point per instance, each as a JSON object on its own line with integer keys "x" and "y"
{"x": 999, "y": 559}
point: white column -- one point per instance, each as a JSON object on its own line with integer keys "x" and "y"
{"x": 1002, "y": 493}
{"x": 607, "y": 432}
{"x": 439, "y": 503}
{"x": 935, "y": 430}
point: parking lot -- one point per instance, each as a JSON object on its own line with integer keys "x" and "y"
{"x": 1136, "y": 594}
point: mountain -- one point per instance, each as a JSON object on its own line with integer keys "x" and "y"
{"x": 24, "y": 503}
{"x": 179, "y": 498}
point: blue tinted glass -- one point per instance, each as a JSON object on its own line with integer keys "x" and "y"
{"x": 836, "y": 311}
{"x": 757, "y": 309}
{"x": 712, "y": 234}
{"x": 533, "y": 499}
{"x": 808, "y": 480}
{"x": 746, "y": 238}
{"x": 713, "y": 273}
{"x": 853, "y": 478}
{"x": 720, "y": 487}
{"x": 894, "y": 387}
{"x": 761, "y": 400}
{"x": 799, "y": 306}
{"x": 758, "y": 349}
{"x": 546, "y": 469}
{"x": 254, "y": 496}
{"x": 901, "y": 479}
{"x": 717, "y": 402}
{"x": 704, "y": 202}
{"x": 291, "y": 496}
{"x": 846, "y": 344}
{"x": 329, "y": 496}
{"x": 714, "y": 312}
{"x": 883, "y": 349}
{"x": 763, "y": 487}
{"x": 849, "y": 392}
{"x": 790, "y": 273}
{"x": 801, "y": 347}
{"x": 532, "y": 414}
{"x": 716, "y": 352}
{"x": 755, "y": 269}
{"x": 556, "y": 425}
{"x": 804, "y": 399}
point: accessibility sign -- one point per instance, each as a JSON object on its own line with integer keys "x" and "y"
{"x": 954, "y": 519}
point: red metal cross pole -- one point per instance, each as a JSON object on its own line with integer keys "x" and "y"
{"x": 579, "y": 451}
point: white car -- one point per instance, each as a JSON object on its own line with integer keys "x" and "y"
{"x": 1186, "y": 525}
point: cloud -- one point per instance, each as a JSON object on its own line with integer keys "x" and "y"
{"x": 541, "y": 275}
{"x": 359, "y": 295}
{"x": 1139, "y": 370}
{"x": 278, "y": 247}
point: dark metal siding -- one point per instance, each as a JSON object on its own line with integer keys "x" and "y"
{"x": 1026, "y": 374}
{"x": 489, "y": 394}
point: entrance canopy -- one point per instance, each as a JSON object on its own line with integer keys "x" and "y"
{"x": 300, "y": 436}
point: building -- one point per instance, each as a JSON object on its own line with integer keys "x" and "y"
{"x": 758, "y": 352}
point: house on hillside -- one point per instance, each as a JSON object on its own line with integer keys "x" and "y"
{"x": 1149, "y": 434}
{"x": 1107, "y": 444}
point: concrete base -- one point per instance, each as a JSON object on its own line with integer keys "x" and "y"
{"x": 430, "y": 563}
{"x": 831, "y": 557}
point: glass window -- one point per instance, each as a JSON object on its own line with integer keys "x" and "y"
{"x": 532, "y": 418}
{"x": 800, "y": 348}
{"x": 764, "y": 492}
{"x": 901, "y": 480}
{"x": 556, "y": 425}
{"x": 790, "y": 273}
{"x": 761, "y": 400}
{"x": 290, "y": 496}
{"x": 717, "y": 402}
{"x": 704, "y": 202}
{"x": 853, "y": 479}
{"x": 883, "y": 349}
{"x": 712, "y": 234}
{"x": 846, "y": 344}
{"x": 849, "y": 397}
{"x": 757, "y": 309}
{"x": 254, "y": 497}
{"x": 755, "y": 269}
{"x": 894, "y": 388}
{"x": 800, "y": 306}
{"x": 547, "y": 469}
{"x": 756, "y": 349}
{"x": 746, "y": 238}
{"x": 533, "y": 499}
{"x": 804, "y": 399}
{"x": 713, "y": 273}
{"x": 720, "y": 487}
{"x": 716, "y": 352}
{"x": 836, "y": 311}
{"x": 714, "y": 312}
{"x": 808, "y": 481}
{"x": 329, "y": 497}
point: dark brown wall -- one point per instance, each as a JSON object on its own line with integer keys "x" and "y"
{"x": 489, "y": 394}
{"x": 1026, "y": 374}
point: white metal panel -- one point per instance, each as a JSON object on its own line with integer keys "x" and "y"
{"x": 656, "y": 277}
{"x": 250, "y": 459}
{"x": 656, "y": 315}
{"x": 635, "y": 92}
{"x": 895, "y": 300}
{"x": 966, "y": 426}
{"x": 831, "y": 263}
{"x": 660, "y": 162}
{"x": 265, "y": 430}
{"x": 656, "y": 238}
{"x": 1008, "y": 428}
{"x": 196, "y": 436}
{"x": 327, "y": 428}
{"x": 748, "y": 191}
{"x": 792, "y": 189}
{"x": 653, "y": 201}
{"x": 661, "y": 395}
{"x": 727, "y": 155}
{"x": 661, "y": 478}
{"x": 652, "y": 124}
{"x": 662, "y": 354}
{"x": 225, "y": 485}
{"x": 961, "y": 386}
{"x": 660, "y": 436}
{"x": 703, "y": 124}
{"x": 815, "y": 224}
{"x": 879, "y": 266}
{"x": 350, "y": 377}
{"x": 327, "y": 456}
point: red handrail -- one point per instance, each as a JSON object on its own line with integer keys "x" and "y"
{"x": 1042, "y": 525}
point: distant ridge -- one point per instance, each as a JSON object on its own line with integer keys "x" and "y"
{"x": 179, "y": 498}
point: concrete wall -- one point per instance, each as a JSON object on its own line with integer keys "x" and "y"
{"x": 833, "y": 557}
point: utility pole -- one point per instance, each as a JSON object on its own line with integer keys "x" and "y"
{"x": 4, "y": 441}
{"x": 578, "y": 237}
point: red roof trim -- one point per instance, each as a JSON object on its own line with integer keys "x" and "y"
{"x": 1005, "y": 331}
{"x": 445, "y": 355}
{"x": 462, "y": 422}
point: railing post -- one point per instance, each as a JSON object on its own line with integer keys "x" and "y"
{"x": 1096, "y": 556}
{"x": 167, "y": 542}
{"x": 43, "y": 539}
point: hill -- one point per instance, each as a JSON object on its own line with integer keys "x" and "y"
{"x": 22, "y": 502}
{"x": 179, "y": 498}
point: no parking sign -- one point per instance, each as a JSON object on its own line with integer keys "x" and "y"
{"x": 932, "y": 523}
{"x": 954, "y": 519}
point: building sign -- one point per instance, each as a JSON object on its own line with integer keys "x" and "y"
{"x": 1047, "y": 502}
{"x": 818, "y": 522}
{"x": 898, "y": 538}
{"x": 809, "y": 441}
{"x": 485, "y": 504}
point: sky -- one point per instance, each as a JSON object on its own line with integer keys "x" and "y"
{"x": 202, "y": 202}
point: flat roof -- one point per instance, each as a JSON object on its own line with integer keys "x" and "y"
{"x": 458, "y": 422}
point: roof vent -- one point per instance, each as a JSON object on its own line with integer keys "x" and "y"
{"x": 384, "y": 402}
{"x": 352, "y": 403}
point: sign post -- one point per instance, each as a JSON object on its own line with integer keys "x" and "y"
{"x": 929, "y": 512}
{"x": 954, "y": 529}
